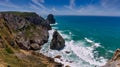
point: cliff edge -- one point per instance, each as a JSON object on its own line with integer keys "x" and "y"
{"x": 21, "y": 34}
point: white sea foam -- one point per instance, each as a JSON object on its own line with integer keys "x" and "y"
{"x": 92, "y": 42}
{"x": 86, "y": 54}
{"x": 64, "y": 35}
{"x": 80, "y": 55}
{"x": 110, "y": 51}
{"x": 50, "y": 34}
{"x": 54, "y": 27}
{"x": 88, "y": 40}
{"x": 70, "y": 33}
{"x": 54, "y": 24}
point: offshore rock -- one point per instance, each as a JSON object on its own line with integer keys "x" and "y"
{"x": 57, "y": 42}
{"x": 50, "y": 19}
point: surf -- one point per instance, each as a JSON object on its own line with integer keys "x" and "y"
{"x": 79, "y": 54}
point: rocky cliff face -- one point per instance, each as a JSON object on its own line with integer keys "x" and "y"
{"x": 57, "y": 42}
{"x": 29, "y": 33}
{"x": 20, "y": 35}
{"x": 115, "y": 61}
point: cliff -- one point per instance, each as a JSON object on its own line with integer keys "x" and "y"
{"x": 21, "y": 33}
{"x": 115, "y": 61}
{"x": 26, "y": 33}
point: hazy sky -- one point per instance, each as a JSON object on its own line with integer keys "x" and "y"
{"x": 64, "y": 7}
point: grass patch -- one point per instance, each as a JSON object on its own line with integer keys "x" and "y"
{"x": 8, "y": 50}
{"x": 21, "y": 14}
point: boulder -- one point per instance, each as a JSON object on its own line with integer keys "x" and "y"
{"x": 67, "y": 52}
{"x": 58, "y": 56}
{"x": 50, "y": 19}
{"x": 34, "y": 46}
{"x": 57, "y": 42}
{"x": 67, "y": 66}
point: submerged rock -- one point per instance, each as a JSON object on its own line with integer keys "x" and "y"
{"x": 50, "y": 19}
{"x": 115, "y": 61}
{"x": 67, "y": 52}
{"x": 57, "y": 42}
{"x": 58, "y": 56}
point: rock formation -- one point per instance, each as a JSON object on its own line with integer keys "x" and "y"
{"x": 21, "y": 33}
{"x": 29, "y": 30}
{"x": 115, "y": 61}
{"x": 50, "y": 19}
{"x": 57, "y": 42}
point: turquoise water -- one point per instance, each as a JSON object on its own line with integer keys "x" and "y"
{"x": 91, "y": 40}
{"x": 105, "y": 30}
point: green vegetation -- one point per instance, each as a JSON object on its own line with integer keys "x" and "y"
{"x": 29, "y": 30}
{"x": 12, "y": 60}
{"x": 21, "y": 14}
{"x": 9, "y": 50}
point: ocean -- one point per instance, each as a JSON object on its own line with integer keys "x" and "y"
{"x": 91, "y": 40}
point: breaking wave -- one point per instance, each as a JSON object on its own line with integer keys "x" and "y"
{"x": 75, "y": 53}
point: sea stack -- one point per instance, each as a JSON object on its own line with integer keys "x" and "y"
{"x": 115, "y": 61}
{"x": 57, "y": 42}
{"x": 50, "y": 19}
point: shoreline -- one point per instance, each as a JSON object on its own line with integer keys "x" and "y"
{"x": 87, "y": 39}
{"x": 29, "y": 32}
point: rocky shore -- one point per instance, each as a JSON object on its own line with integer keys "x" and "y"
{"x": 21, "y": 34}
{"x": 115, "y": 61}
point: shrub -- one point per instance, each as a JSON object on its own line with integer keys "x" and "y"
{"x": 8, "y": 50}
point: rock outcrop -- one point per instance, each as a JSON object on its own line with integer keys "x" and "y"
{"x": 57, "y": 42}
{"x": 115, "y": 61}
{"x": 50, "y": 19}
{"x": 28, "y": 29}
{"x": 36, "y": 19}
{"x": 20, "y": 37}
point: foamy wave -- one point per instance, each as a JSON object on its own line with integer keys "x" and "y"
{"x": 54, "y": 27}
{"x": 80, "y": 55}
{"x": 92, "y": 42}
{"x": 110, "y": 51}
{"x": 54, "y": 24}
{"x": 86, "y": 54}
{"x": 64, "y": 35}
{"x": 88, "y": 40}
{"x": 50, "y": 34}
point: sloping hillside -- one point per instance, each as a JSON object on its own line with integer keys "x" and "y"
{"x": 20, "y": 36}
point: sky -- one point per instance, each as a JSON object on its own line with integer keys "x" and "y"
{"x": 64, "y": 7}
